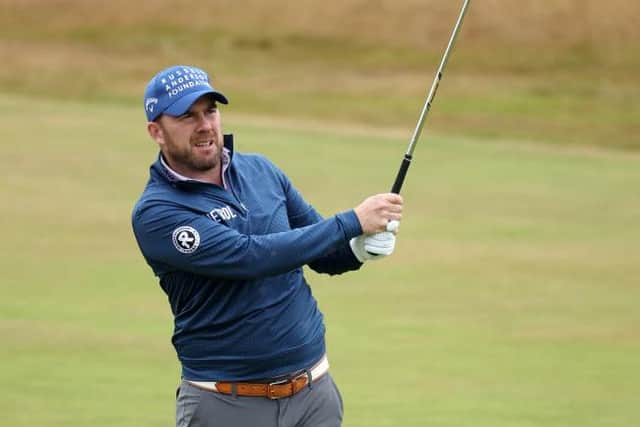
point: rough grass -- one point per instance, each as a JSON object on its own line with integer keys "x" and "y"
{"x": 404, "y": 23}
{"x": 511, "y": 301}
{"x": 563, "y": 73}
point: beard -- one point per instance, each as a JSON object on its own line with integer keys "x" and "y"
{"x": 185, "y": 158}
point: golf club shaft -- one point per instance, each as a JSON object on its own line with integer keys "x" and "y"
{"x": 406, "y": 161}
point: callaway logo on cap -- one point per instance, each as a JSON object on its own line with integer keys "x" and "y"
{"x": 173, "y": 90}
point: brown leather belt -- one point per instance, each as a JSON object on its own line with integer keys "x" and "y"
{"x": 273, "y": 390}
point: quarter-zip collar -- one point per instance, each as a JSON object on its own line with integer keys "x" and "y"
{"x": 161, "y": 171}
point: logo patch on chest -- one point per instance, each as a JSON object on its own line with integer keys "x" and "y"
{"x": 186, "y": 239}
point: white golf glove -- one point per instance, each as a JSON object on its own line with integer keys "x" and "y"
{"x": 375, "y": 246}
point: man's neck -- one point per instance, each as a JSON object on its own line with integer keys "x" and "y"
{"x": 212, "y": 176}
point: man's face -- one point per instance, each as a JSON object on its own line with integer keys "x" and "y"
{"x": 191, "y": 143}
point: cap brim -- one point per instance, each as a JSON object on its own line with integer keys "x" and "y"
{"x": 183, "y": 104}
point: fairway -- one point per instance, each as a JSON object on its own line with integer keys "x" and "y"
{"x": 513, "y": 298}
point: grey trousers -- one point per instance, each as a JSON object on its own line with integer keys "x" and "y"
{"x": 317, "y": 406}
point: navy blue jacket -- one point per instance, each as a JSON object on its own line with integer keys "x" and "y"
{"x": 230, "y": 261}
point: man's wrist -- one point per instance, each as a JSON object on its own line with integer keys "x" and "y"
{"x": 357, "y": 247}
{"x": 350, "y": 223}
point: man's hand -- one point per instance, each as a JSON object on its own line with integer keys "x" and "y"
{"x": 376, "y": 212}
{"x": 375, "y": 246}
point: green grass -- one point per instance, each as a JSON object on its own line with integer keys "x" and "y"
{"x": 512, "y": 299}
{"x": 564, "y": 73}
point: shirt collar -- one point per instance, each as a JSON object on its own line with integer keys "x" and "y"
{"x": 226, "y": 159}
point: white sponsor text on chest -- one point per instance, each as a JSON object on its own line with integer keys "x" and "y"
{"x": 225, "y": 213}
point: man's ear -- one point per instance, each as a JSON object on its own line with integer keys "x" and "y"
{"x": 155, "y": 132}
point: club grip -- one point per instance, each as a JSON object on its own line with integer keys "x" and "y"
{"x": 402, "y": 173}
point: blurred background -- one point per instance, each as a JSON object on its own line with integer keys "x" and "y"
{"x": 560, "y": 71}
{"x": 513, "y": 298}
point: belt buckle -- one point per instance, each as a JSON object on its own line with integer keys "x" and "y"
{"x": 270, "y": 391}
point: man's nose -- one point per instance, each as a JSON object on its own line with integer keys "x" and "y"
{"x": 204, "y": 123}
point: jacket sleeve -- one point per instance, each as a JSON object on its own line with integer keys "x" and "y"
{"x": 222, "y": 252}
{"x": 302, "y": 214}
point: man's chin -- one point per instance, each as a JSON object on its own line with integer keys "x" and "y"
{"x": 205, "y": 165}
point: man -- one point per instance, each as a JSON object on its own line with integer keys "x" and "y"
{"x": 228, "y": 234}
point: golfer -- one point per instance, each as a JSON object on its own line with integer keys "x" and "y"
{"x": 227, "y": 234}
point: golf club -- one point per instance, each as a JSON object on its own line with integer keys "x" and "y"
{"x": 406, "y": 161}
